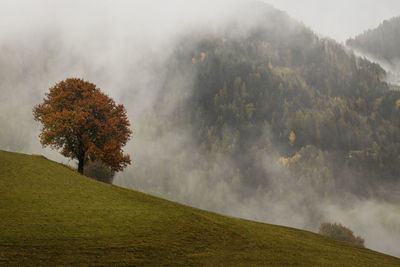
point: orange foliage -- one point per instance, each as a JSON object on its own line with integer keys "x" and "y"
{"x": 85, "y": 123}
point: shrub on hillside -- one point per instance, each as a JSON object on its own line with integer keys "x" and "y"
{"x": 338, "y": 231}
{"x": 99, "y": 171}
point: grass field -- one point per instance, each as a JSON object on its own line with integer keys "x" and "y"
{"x": 51, "y": 215}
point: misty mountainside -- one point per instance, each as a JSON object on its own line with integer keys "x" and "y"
{"x": 52, "y": 215}
{"x": 382, "y": 44}
{"x": 240, "y": 110}
{"x": 260, "y": 117}
{"x": 275, "y": 90}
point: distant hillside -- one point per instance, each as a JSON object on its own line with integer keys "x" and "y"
{"x": 51, "y": 215}
{"x": 248, "y": 113}
{"x": 270, "y": 86}
{"x": 382, "y": 42}
{"x": 264, "y": 113}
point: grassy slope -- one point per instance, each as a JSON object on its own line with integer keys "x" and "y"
{"x": 51, "y": 215}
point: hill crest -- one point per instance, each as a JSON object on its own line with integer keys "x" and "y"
{"x": 52, "y": 215}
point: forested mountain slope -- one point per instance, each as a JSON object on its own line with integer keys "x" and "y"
{"x": 382, "y": 45}
{"x": 274, "y": 87}
{"x": 248, "y": 113}
{"x": 267, "y": 120}
{"x": 382, "y": 42}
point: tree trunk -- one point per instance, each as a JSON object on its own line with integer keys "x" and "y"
{"x": 81, "y": 162}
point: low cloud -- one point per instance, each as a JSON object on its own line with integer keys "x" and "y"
{"x": 124, "y": 48}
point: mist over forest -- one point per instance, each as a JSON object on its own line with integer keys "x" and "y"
{"x": 381, "y": 45}
{"x": 235, "y": 106}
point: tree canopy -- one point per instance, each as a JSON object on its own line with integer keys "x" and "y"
{"x": 85, "y": 123}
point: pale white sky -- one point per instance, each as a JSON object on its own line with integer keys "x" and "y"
{"x": 339, "y": 19}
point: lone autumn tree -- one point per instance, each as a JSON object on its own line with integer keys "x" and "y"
{"x": 85, "y": 123}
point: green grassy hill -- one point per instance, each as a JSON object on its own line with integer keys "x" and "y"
{"x": 51, "y": 215}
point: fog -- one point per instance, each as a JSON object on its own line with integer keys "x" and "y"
{"x": 340, "y": 19}
{"x": 123, "y": 48}
{"x": 392, "y": 68}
